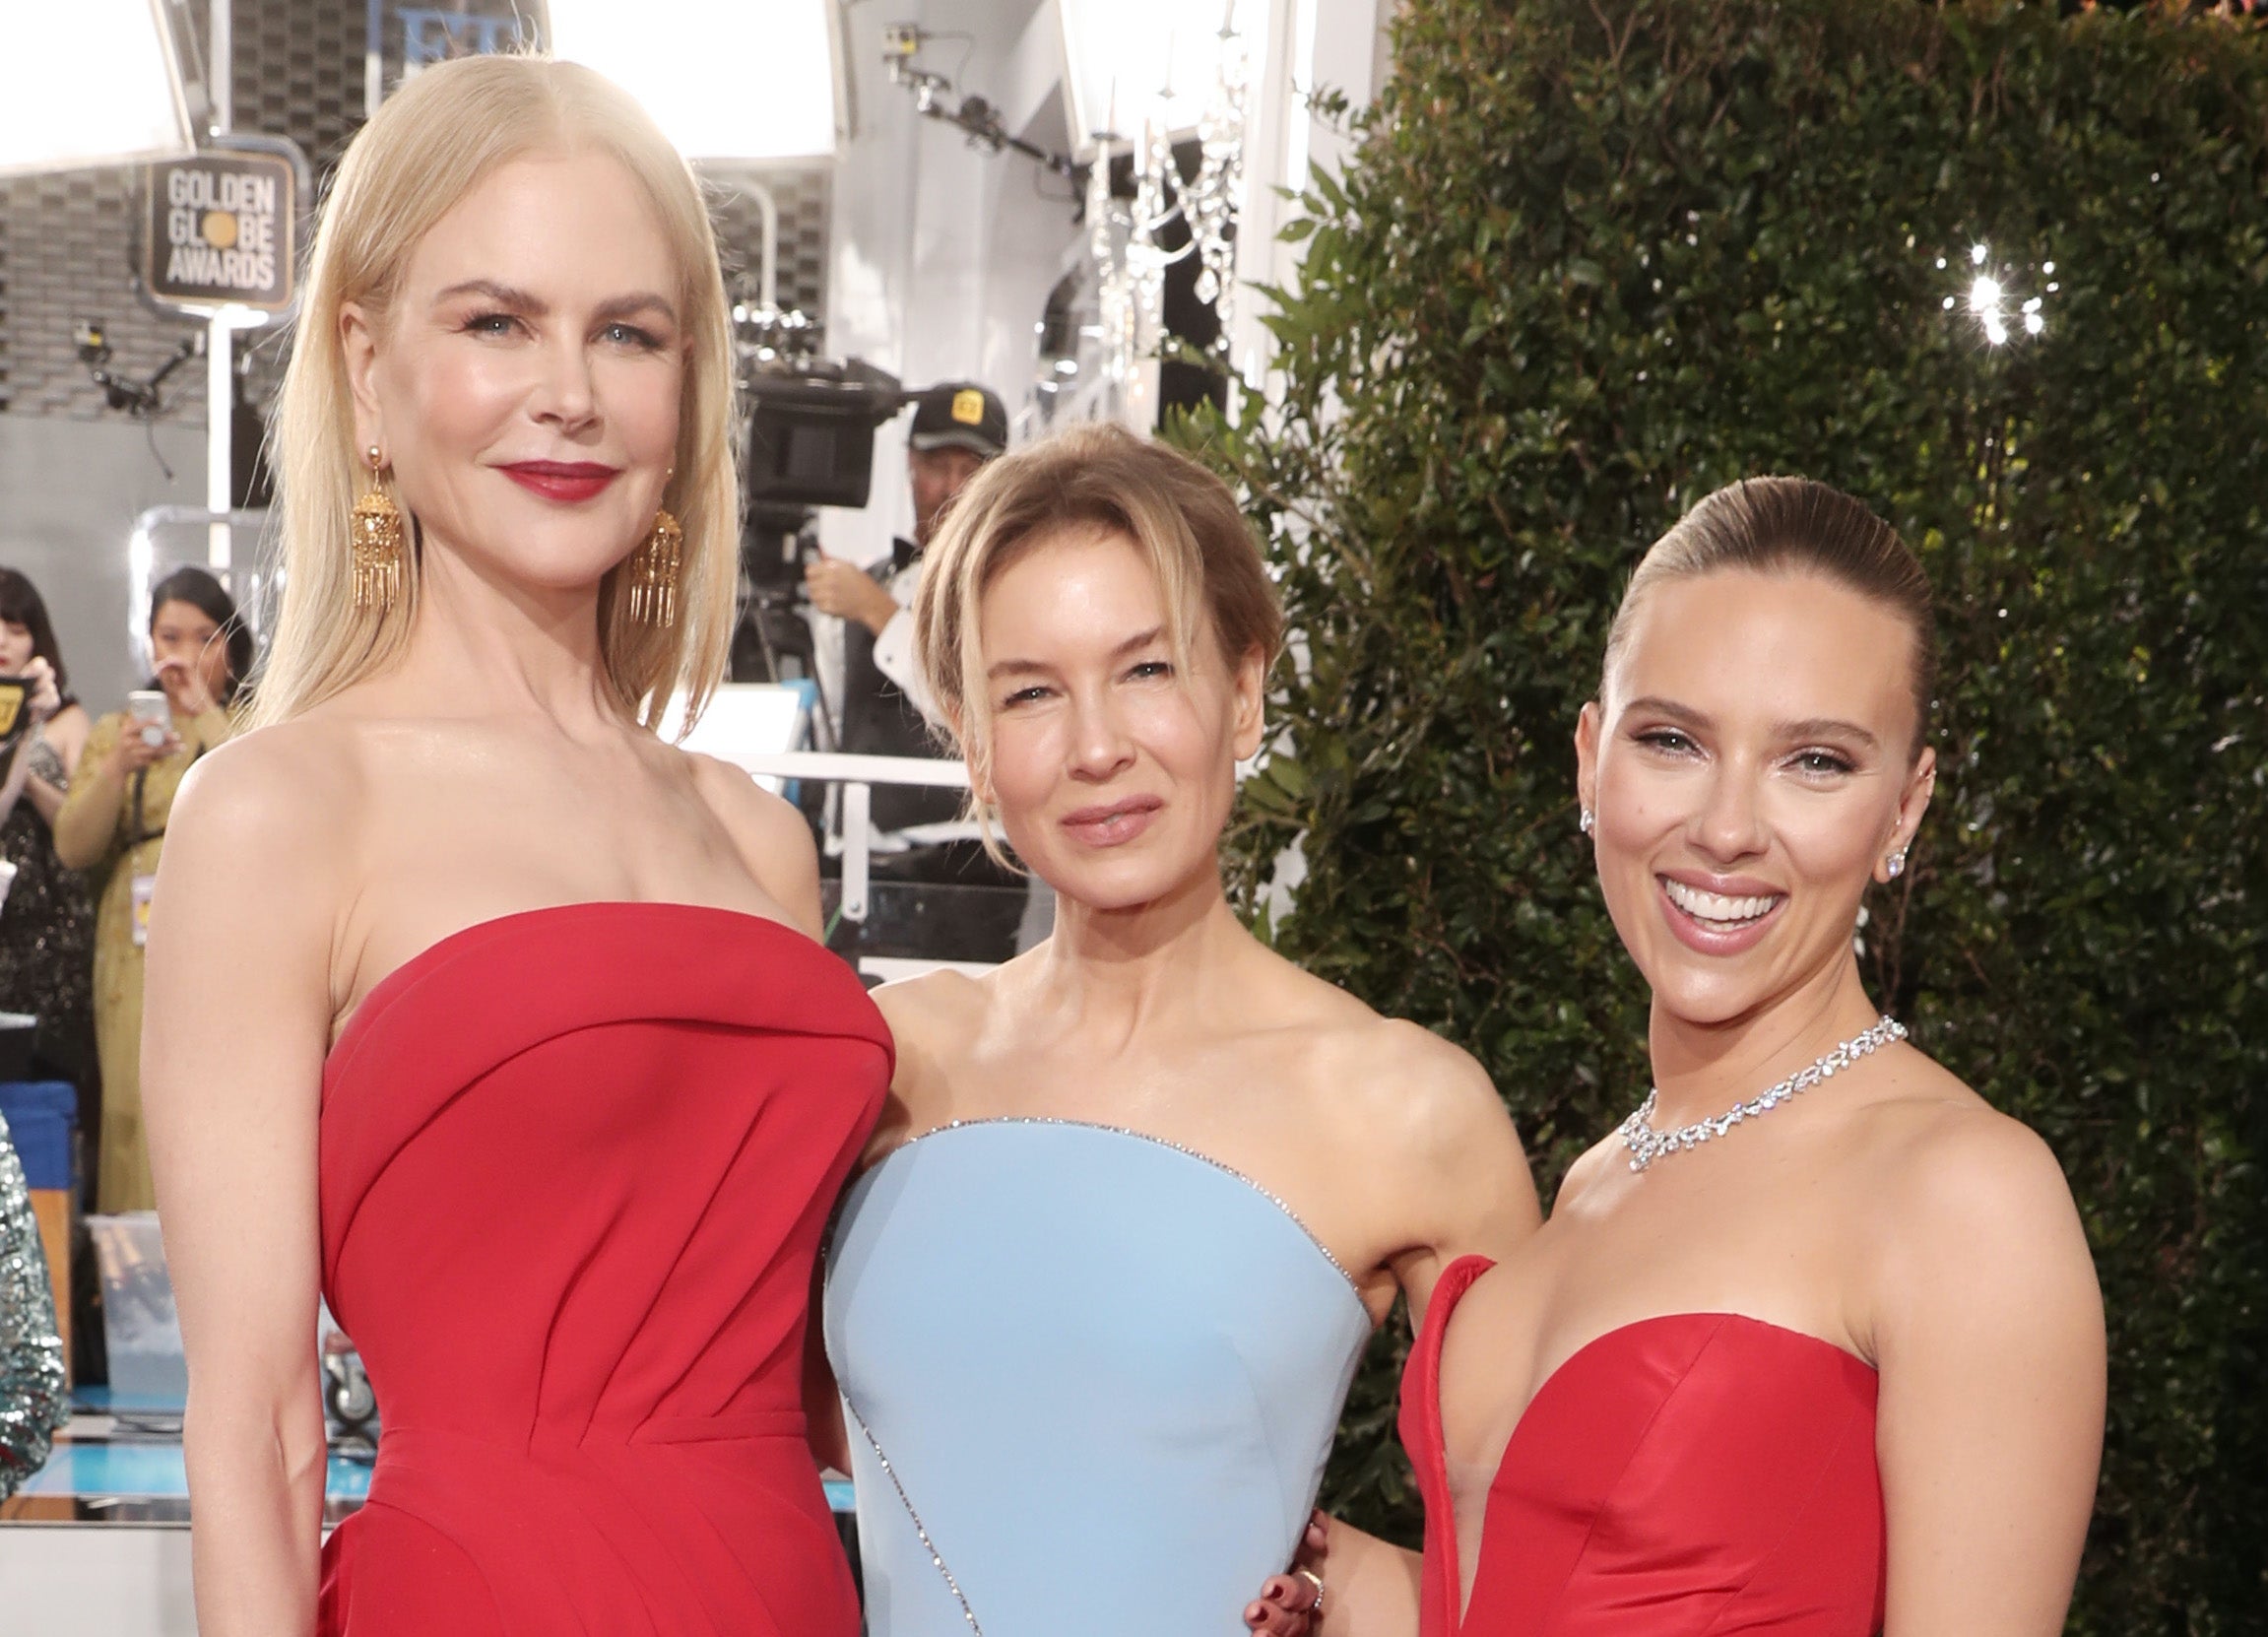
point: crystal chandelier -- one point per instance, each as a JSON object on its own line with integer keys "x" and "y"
{"x": 1126, "y": 239}
{"x": 1210, "y": 202}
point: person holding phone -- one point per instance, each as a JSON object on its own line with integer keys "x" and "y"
{"x": 112, "y": 822}
{"x": 47, "y": 926}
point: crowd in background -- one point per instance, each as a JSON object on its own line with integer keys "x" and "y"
{"x": 82, "y": 807}
{"x": 84, "y": 803}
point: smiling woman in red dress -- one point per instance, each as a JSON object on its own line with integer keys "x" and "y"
{"x": 1812, "y": 1344}
{"x": 471, "y": 1001}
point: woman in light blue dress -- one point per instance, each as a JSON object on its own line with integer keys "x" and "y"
{"x": 1139, "y": 1196}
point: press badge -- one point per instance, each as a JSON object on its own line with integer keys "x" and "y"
{"x": 144, "y": 889}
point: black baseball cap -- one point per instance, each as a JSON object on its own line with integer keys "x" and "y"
{"x": 961, "y": 415}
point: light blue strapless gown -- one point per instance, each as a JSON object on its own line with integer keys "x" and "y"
{"x": 1104, "y": 1372}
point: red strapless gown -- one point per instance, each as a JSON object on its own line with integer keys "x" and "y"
{"x": 1689, "y": 1475}
{"x": 575, "y": 1165}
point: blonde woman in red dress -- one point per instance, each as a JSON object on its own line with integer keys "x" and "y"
{"x": 473, "y": 1002}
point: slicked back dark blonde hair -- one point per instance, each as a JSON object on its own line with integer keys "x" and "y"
{"x": 1793, "y": 524}
{"x": 1181, "y": 518}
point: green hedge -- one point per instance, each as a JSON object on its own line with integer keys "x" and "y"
{"x": 1592, "y": 260}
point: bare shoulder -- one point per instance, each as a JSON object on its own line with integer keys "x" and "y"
{"x": 259, "y": 850}
{"x": 922, "y": 1004}
{"x": 936, "y": 1021}
{"x": 771, "y": 836}
{"x": 753, "y": 814}
{"x": 271, "y": 793}
{"x": 1591, "y": 1164}
{"x": 1442, "y": 1093}
{"x": 1933, "y": 1145}
{"x": 1966, "y": 1201}
{"x": 1411, "y": 1098}
{"x": 68, "y": 726}
{"x": 1419, "y": 1122}
{"x": 1972, "y": 1169}
{"x": 932, "y": 1014}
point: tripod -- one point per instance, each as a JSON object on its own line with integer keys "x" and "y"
{"x": 773, "y": 640}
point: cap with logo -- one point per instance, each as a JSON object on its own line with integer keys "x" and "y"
{"x": 961, "y": 415}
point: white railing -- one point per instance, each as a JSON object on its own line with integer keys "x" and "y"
{"x": 857, "y": 776}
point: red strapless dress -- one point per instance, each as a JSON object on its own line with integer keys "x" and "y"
{"x": 575, "y": 1165}
{"x": 1688, "y": 1474}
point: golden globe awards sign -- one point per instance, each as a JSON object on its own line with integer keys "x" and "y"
{"x": 220, "y": 230}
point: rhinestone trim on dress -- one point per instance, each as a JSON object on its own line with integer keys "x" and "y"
{"x": 921, "y": 1529}
{"x": 1275, "y": 1200}
{"x": 1646, "y": 1145}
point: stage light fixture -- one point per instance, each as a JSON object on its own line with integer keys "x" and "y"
{"x": 724, "y": 79}
{"x": 93, "y": 83}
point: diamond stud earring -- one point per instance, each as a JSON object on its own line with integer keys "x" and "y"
{"x": 1895, "y": 865}
{"x": 1586, "y": 820}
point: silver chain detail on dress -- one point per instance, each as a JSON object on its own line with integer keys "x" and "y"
{"x": 1646, "y": 1145}
{"x": 921, "y": 1529}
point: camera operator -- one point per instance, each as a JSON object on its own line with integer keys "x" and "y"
{"x": 957, "y": 428}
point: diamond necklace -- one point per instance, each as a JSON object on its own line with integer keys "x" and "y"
{"x": 1646, "y": 1145}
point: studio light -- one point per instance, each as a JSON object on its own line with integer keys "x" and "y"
{"x": 724, "y": 79}
{"x": 92, "y": 83}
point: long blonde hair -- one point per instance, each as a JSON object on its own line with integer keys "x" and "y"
{"x": 432, "y": 142}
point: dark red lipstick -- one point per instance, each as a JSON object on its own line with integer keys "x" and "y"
{"x": 571, "y": 482}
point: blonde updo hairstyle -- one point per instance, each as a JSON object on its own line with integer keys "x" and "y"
{"x": 433, "y": 141}
{"x": 1097, "y": 477}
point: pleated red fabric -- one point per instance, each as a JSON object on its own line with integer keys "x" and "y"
{"x": 1698, "y": 1474}
{"x": 575, "y": 1165}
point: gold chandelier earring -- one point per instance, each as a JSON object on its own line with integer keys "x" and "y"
{"x": 380, "y": 543}
{"x": 653, "y": 571}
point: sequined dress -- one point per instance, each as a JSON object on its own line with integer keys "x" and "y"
{"x": 31, "y": 1402}
{"x": 47, "y": 935}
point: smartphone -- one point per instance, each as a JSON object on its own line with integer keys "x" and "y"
{"x": 148, "y": 707}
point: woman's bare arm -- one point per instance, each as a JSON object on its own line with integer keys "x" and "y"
{"x": 66, "y": 732}
{"x": 18, "y": 779}
{"x": 235, "y": 1026}
{"x": 1989, "y": 1334}
{"x": 1461, "y": 1181}
{"x": 772, "y": 838}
